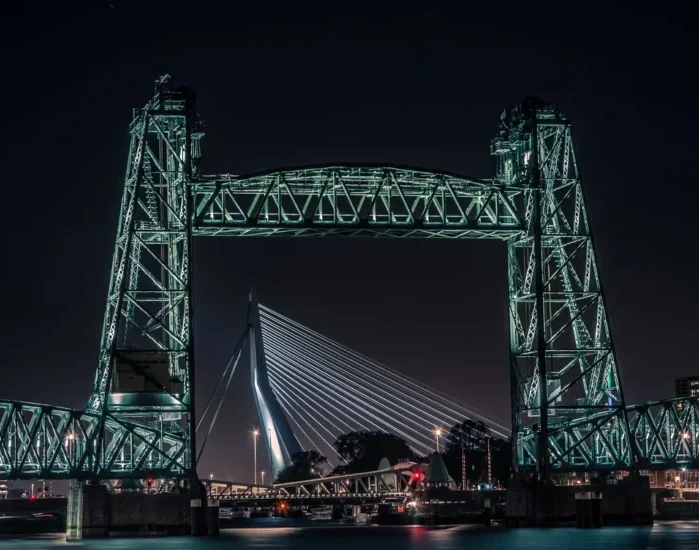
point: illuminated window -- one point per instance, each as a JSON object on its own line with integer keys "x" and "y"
{"x": 527, "y": 156}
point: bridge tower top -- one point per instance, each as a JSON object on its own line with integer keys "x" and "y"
{"x": 513, "y": 143}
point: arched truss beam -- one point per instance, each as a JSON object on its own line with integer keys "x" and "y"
{"x": 355, "y": 200}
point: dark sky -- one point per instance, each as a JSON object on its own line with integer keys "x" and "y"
{"x": 282, "y": 87}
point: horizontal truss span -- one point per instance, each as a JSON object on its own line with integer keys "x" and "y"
{"x": 664, "y": 435}
{"x": 355, "y": 201}
{"x": 46, "y": 442}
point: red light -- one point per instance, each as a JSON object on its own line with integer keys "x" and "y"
{"x": 150, "y": 481}
{"x": 417, "y": 476}
{"x": 32, "y": 497}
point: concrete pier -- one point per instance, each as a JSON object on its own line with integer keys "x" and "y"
{"x": 212, "y": 517}
{"x": 74, "y": 513}
{"x": 532, "y": 503}
{"x": 94, "y": 512}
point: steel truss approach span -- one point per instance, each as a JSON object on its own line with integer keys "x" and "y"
{"x": 568, "y": 408}
{"x": 44, "y": 442}
{"x": 394, "y": 481}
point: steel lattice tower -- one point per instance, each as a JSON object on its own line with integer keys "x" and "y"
{"x": 146, "y": 363}
{"x": 557, "y": 313}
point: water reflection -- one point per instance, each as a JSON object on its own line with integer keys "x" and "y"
{"x": 670, "y": 535}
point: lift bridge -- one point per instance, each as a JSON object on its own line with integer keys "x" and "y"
{"x": 568, "y": 407}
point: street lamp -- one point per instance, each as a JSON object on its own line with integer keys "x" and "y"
{"x": 262, "y": 473}
{"x": 255, "y": 433}
{"x": 437, "y": 433}
{"x": 211, "y": 477}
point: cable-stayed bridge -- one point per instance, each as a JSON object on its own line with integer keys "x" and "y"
{"x": 326, "y": 389}
{"x": 310, "y": 390}
{"x": 569, "y": 411}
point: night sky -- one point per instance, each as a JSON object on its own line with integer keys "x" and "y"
{"x": 283, "y": 87}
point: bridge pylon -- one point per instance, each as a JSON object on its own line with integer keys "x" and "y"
{"x": 145, "y": 371}
{"x": 568, "y": 407}
{"x": 281, "y": 443}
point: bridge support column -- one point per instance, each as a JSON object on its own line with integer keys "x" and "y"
{"x": 212, "y": 515}
{"x": 638, "y": 508}
{"x": 74, "y": 519}
{"x": 96, "y": 513}
{"x": 88, "y": 511}
{"x": 198, "y": 509}
{"x": 531, "y": 503}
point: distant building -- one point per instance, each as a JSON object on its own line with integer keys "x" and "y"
{"x": 687, "y": 387}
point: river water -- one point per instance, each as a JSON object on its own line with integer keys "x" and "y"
{"x": 662, "y": 535}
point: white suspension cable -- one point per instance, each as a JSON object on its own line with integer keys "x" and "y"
{"x": 298, "y": 399}
{"x": 223, "y": 395}
{"x": 389, "y": 405}
{"x": 503, "y": 430}
{"x": 318, "y": 396}
{"x": 284, "y": 404}
{"x": 290, "y": 336}
{"x": 236, "y": 353}
{"x": 370, "y": 364}
{"x": 349, "y": 371}
{"x": 351, "y": 399}
{"x": 314, "y": 418}
{"x": 271, "y": 363}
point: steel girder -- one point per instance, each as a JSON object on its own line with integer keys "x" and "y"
{"x": 44, "y": 442}
{"x": 354, "y": 201}
{"x": 665, "y": 434}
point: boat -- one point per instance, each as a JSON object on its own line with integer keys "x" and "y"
{"x": 322, "y": 513}
{"x": 352, "y": 513}
{"x": 236, "y": 512}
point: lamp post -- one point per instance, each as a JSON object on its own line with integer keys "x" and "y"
{"x": 490, "y": 471}
{"x": 437, "y": 433}
{"x": 262, "y": 473}
{"x": 464, "y": 483}
{"x": 255, "y": 433}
